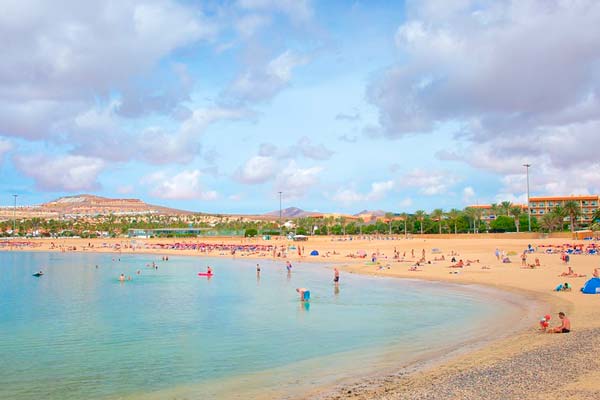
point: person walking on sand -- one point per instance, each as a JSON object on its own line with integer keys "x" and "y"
{"x": 565, "y": 326}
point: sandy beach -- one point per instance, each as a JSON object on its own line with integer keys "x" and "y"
{"x": 528, "y": 364}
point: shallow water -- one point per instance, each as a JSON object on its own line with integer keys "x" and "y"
{"x": 77, "y": 332}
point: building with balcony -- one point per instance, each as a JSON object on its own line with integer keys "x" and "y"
{"x": 543, "y": 205}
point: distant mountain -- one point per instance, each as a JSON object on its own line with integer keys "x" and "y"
{"x": 90, "y": 205}
{"x": 374, "y": 213}
{"x": 291, "y": 212}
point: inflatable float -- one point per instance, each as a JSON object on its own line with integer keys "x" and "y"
{"x": 204, "y": 274}
{"x": 38, "y": 274}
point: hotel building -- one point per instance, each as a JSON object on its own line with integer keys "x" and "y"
{"x": 545, "y": 205}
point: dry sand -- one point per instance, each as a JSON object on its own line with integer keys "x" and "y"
{"x": 528, "y": 365}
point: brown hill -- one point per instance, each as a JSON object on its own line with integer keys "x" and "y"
{"x": 89, "y": 205}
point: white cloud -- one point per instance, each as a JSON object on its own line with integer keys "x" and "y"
{"x": 303, "y": 147}
{"x": 248, "y": 25}
{"x": 263, "y": 81}
{"x": 61, "y": 58}
{"x": 295, "y": 181}
{"x": 495, "y": 70}
{"x": 406, "y": 202}
{"x": 257, "y": 169}
{"x": 378, "y": 191}
{"x": 5, "y": 147}
{"x": 185, "y": 185}
{"x": 468, "y": 194}
{"x": 429, "y": 183}
{"x": 68, "y": 173}
{"x": 296, "y": 10}
{"x": 125, "y": 189}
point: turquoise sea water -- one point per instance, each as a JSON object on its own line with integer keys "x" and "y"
{"x": 77, "y": 332}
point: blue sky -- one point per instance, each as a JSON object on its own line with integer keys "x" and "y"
{"x": 215, "y": 106}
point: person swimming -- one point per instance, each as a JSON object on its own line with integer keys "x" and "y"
{"x": 122, "y": 278}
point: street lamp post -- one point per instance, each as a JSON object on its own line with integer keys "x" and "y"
{"x": 15, "y": 214}
{"x": 528, "y": 204}
{"x": 280, "y": 227}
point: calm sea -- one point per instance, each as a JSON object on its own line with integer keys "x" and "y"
{"x": 78, "y": 333}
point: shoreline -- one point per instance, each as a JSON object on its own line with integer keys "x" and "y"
{"x": 512, "y": 347}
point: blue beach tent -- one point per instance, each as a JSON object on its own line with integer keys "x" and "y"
{"x": 592, "y": 286}
{"x": 314, "y": 253}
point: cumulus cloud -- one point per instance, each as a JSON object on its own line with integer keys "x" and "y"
{"x": 66, "y": 173}
{"x": 296, "y": 181}
{"x": 303, "y": 147}
{"x": 100, "y": 132}
{"x": 429, "y": 183}
{"x": 58, "y": 59}
{"x": 348, "y": 117}
{"x": 521, "y": 81}
{"x": 468, "y": 194}
{"x": 185, "y": 185}
{"x": 378, "y": 191}
{"x": 296, "y": 10}
{"x": 257, "y": 169}
{"x": 250, "y": 24}
{"x": 406, "y": 202}
{"x": 5, "y": 147}
{"x": 519, "y": 91}
{"x": 263, "y": 81}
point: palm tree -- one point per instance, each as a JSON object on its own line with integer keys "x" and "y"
{"x": 516, "y": 212}
{"x": 342, "y": 221}
{"x": 405, "y": 218}
{"x": 471, "y": 213}
{"x": 437, "y": 214}
{"x": 550, "y": 221}
{"x": 420, "y": 216}
{"x": 505, "y": 206}
{"x": 454, "y": 215}
{"x": 573, "y": 210}
{"x": 495, "y": 209}
{"x": 389, "y": 216}
{"x": 596, "y": 215}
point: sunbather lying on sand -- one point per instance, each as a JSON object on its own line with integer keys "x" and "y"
{"x": 460, "y": 264}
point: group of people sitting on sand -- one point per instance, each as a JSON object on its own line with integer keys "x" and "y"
{"x": 531, "y": 266}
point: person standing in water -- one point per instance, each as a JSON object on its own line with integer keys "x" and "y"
{"x": 304, "y": 294}
{"x": 336, "y": 276}
{"x": 288, "y": 266}
{"x": 209, "y": 270}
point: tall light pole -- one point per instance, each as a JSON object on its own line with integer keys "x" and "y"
{"x": 280, "y": 230}
{"x": 528, "y": 204}
{"x": 15, "y": 214}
